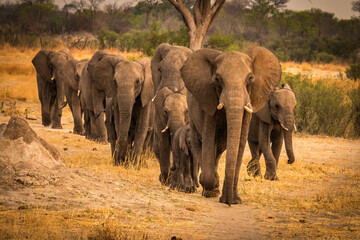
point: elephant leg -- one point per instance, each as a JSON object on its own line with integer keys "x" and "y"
{"x": 98, "y": 103}
{"x": 141, "y": 130}
{"x": 77, "y": 113}
{"x": 276, "y": 138}
{"x": 93, "y": 129}
{"x": 111, "y": 131}
{"x": 156, "y": 146}
{"x": 208, "y": 174}
{"x": 264, "y": 142}
{"x": 189, "y": 185}
{"x": 87, "y": 124}
{"x": 196, "y": 153}
{"x": 56, "y": 115}
{"x": 253, "y": 167}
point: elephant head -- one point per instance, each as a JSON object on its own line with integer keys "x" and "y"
{"x": 128, "y": 83}
{"x": 165, "y": 66}
{"x": 56, "y": 66}
{"x": 280, "y": 108}
{"x": 171, "y": 109}
{"x": 232, "y": 82}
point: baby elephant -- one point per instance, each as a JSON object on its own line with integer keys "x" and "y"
{"x": 272, "y": 124}
{"x": 184, "y": 172}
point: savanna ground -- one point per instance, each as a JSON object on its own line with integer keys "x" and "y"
{"x": 316, "y": 197}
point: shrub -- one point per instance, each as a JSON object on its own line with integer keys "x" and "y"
{"x": 224, "y": 43}
{"x": 324, "y": 57}
{"x": 353, "y": 72}
{"x": 107, "y": 39}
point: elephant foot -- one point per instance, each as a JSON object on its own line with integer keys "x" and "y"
{"x": 209, "y": 193}
{"x": 164, "y": 179}
{"x": 101, "y": 140}
{"x": 79, "y": 131}
{"x": 45, "y": 124}
{"x": 189, "y": 185}
{"x": 253, "y": 169}
{"x": 236, "y": 199}
{"x": 291, "y": 161}
{"x": 271, "y": 176}
{"x": 56, "y": 126}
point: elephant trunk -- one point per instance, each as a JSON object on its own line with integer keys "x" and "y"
{"x": 125, "y": 105}
{"x": 289, "y": 146}
{"x": 234, "y": 118}
{"x": 60, "y": 93}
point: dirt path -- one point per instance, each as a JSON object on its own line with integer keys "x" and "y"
{"x": 285, "y": 209}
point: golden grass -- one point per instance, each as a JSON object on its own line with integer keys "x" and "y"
{"x": 305, "y": 66}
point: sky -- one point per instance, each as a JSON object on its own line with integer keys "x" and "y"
{"x": 341, "y": 8}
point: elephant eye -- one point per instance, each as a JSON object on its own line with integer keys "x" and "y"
{"x": 137, "y": 81}
{"x": 77, "y": 76}
{"x": 250, "y": 79}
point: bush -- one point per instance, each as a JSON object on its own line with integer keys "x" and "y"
{"x": 107, "y": 39}
{"x": 324, "y": 108}
{"x": 224, "y": 43}
{"x": 353, "y": 72}
{"x": 324, "y": 57}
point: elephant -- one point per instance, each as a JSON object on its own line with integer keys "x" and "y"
{"x": 128, "y": 88}
{"x": 56, "y": 79}
{"x": 170, "y": 101}
{"x": 184, "y": 170}
{"x": 274, "y": 123}
{"x": 93, "y": 100}
{"x": 223, "y": 91}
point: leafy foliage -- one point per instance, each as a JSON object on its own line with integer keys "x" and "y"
{"x": 353, "y": 72}
{"x": 324, "y": 108}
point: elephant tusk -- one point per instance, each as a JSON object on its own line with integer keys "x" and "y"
{"x": 220, "y": 106}
{"x": 153, "y": 99}
{"x": 52, "y": 78}
{"x": 166, "y": 128}
{"x": 295, "y": 129}
{"x": 285, "y": 128}
{"x": 78, "y": 93}
{"x": 248, "y": 108}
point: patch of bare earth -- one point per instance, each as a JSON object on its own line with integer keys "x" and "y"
{"x": 82, "y": 195}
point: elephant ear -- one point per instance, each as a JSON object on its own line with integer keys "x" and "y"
{"x": 147, "y": 91}
{"x": 103, "y": 75}
{"x": 160, "y": 53}
{"x": 42, "y": 65}
{"x": 196, "y": 73}
{"x": 267, "y": 71}
{"x": 159, "y": 104}
{"x": 182, "y": 141}
{"x": 264, "y": 114}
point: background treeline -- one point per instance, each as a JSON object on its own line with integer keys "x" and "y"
{"x": 311, "y": 35}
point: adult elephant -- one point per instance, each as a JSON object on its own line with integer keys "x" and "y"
{"x": 129, "y": 89}
{"x": 170, "y": 101}
{"x": 224, "y": 89}
{"x": 93, "y": 99}
{"x": 274, "y": 123}
{"x": 56, "y": 78}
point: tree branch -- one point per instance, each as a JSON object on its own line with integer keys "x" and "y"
{"x": 185, "y": 13}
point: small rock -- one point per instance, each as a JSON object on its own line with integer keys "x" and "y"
{"x": 190, "y": 209}
{"x": 302, "y": 221}
{"x": 94, "y": 149}
{"x": 65, "y": 148}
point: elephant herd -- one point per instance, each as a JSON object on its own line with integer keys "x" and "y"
{"x": 187, "y": 106}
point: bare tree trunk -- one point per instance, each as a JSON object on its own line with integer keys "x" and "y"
{"x": 198, "y": 22}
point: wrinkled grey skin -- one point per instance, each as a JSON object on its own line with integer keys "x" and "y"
{"x": 55, "y": 73}
{"x": 274, "y": 123}
{"x": 129, "y": 89}
{"x": 220, "y": 85}
{"x": 93, "y": 98}
{"x": 170, "y": 101}
{"x": 184, "y": 171}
